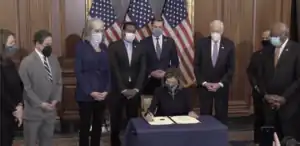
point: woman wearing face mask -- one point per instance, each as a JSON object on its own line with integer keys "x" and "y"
{"x": 93, "y": 81}
{"x": 11, "y": 88}
{"x": 171, "y": 99}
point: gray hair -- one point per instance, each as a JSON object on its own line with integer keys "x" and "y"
{"x": 89, "y": 26}
{"x": 283, "y": 28}
{"x": 218, "y": 23}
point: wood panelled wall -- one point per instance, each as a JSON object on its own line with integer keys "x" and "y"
{"x": 244, "y": 21}
{"x": 27, "y": 16}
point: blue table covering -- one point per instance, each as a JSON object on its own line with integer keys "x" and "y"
{"x": 209, "y": 132}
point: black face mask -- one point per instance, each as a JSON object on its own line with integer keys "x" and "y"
{"x": 265, "y": 43}
{"x": 47, "y": 51}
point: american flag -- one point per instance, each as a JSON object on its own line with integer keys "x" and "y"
{"x": 140, "y": 12}
{"x": 103, "y": 10}
{"x": 178, "y": 26}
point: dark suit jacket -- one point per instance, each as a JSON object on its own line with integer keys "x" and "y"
{"x": 284, "y": 79}
{"x": 168, "y": 58}
{"x": 224, "y": 68}
{"x": 11, "y": 89}
{"x": 254, "y": 70}
{"x": 92, "y": 71}
{"x": 121, "y": 70}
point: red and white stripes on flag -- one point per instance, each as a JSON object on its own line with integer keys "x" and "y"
{"x": 183, "y": 37}
{"x": 140, "y": 12}
{"x": 113, "y": 33}
{"x": 103, "y": 10}
{"x": 178, "y": 26}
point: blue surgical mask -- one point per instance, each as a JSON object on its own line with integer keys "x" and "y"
{"x": 11, "y": 50}
{"x": 275, "y": 41}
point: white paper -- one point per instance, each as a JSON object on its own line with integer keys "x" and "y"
{"x": 185, "y": 120}
{"x": 161, "y": 121}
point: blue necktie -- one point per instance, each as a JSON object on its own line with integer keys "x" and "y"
{"x": 158, "y": 48}
{"x": 215, "y": 54}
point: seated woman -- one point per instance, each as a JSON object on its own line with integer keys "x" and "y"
{"x": 171, "y": 99}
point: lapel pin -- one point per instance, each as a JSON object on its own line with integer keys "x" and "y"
{"x": 165, "y": 39}
{"x": 134, "y": 46}
{"x": 287, "y": 49}
{"x": 222, "y": 47}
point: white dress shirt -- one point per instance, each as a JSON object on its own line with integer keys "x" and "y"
{"x": 160, "y": 41}
{"x": 42, "y": 59}
{"x": 211, "y": 55}
{"x": 128, "y": 47}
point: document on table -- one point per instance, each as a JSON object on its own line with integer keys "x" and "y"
{"x": 184, "y": 120}
{"x": 161, "y": 121}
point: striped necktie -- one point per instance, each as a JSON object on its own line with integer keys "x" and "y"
{"x": 47, "y": 68}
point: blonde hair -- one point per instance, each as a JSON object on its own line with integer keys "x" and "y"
{"x": 217, "y": 23}
{"x": 89, "y": 26}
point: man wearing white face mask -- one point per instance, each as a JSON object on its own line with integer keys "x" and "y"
{"x": 213, "y": 68}
{"x": 128, "y": 63}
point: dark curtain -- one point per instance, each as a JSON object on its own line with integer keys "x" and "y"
{"x": 295, "y": 21}
{"x": 295, "y": 35}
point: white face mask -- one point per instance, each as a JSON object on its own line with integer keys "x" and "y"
{"x": 129, "y": 36}
{"x": 215, "y": 36}
{"x": 96, "y": 38}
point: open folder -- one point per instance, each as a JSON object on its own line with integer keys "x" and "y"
{"x": 161, "y": 121}
{"x": 184, "y": 120}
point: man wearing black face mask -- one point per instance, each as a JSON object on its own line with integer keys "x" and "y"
{"x": 41, "y": 74}
{"x": 254, "y": 76}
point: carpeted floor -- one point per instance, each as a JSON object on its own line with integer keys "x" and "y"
{"x": 242, "y": 138}
{"x": 240, "y": 134}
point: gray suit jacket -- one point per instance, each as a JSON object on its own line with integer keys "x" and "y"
{"x": 38, "y": 88}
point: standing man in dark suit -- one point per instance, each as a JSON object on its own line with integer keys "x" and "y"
{"x": 161, "y": 55}
{"x": 281, "y": 81}
{"x": 254, "y": 76}
{"x": 213, "y": 68}
{"x": 128, "y": 67}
